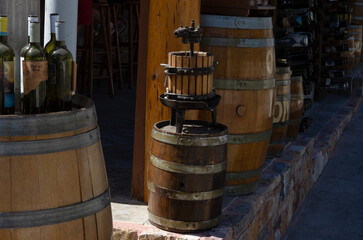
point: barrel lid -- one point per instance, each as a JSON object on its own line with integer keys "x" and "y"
{"x": 82, "y": 116}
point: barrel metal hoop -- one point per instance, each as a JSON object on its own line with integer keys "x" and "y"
{"x": 296, "y": 79}
{"x": 244, "y": 175}
{"x": 295, "y": 121}
{"x": 239, "y": 84}
{"x": 354, "y": 26}
{"x": 186, "y": 169}
{"x": 283, "y": 83}
{"x": 238, "y": 42}
{"x": 45, "y": 124}
{"x": 218, "y": 21}
{"x": 281, "y": 98}
{"x": 249, "y": 138}
{"x": 181, "y": 225}
{"x": 49, "y": 146}
{"x": 358, "y": 18}
{"x": 296, "y": 97}
{"x": 188, "y": 141}
{"x": 9, "y": 220}
{"x": 358, "y": 3}
{"x": 242, "y": 189}
{"x": 177, "y": 195}
{"x": 280, "y": 124}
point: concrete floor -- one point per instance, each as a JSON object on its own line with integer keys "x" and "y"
{"x": 334, "y": 207}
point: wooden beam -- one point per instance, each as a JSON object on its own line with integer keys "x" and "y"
{"x": 164, "y": 17}
{"x": 137, "y": 186}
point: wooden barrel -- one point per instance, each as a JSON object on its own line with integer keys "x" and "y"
{"x": 356, "y": 32}
{"x": 53, "y": 177}
{"x": 357, "y": 16}
{"x": 245, "y": 79}
{"x": 281, "y": 113}
{"x": 186, "y": 176}
{"x": 188, "y": 77}
{"x": 296, "y": 107}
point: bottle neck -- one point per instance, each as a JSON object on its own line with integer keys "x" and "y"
{"x": 61, "y": 44}
{"x": 34, "y": 33}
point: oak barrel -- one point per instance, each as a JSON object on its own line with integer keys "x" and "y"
{"x": 281, "y": 112}
{"x": 356, "y": 32}
{"x": 357, "y": 16}
{"x": 245, "y": 80}
{"x": 193, "y": 75}
{"x": 186, "y": 176}
{"x": 53, "y": 177}
{"x": 296, "y": 107}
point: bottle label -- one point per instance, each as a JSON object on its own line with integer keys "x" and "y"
{"x": 3, "y": 26}
{"x": 52, "y": 70}
{"x": 8, "y": 75}
{"x": 21, "y": 76}
{"x": 34, "y": 73}
{"x": 1, "y": 73}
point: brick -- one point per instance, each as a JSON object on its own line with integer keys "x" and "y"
{"x": 284, "y": 170}
{"x": 119, "y": 234}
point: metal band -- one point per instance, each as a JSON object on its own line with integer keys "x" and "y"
{"x": 354, "y": 26}
{"x": 296, "y": 97}
{"x": 296, "y": 79}
{"x": 249, "y": 138}
{"x": 55, "y": 215}
{"x": 280, "y": 124}
{"x": 239, "y": 84}
{"x": 177, "y": 195}
{"x": 52, "y": 123}
{"x": 281, "y": 98}
{"x": 358, "y": 18}
{"x": 238, "y": 42}
{"x": 186, "y": 169}
{"x": 294, "y": 121}
{"x": 244, "y": 175}
{"x": 242, "y": 189}
{"x": 282, "y": 83}
{"x": 188, "y": 141}
{"x": 218, "y": 21}
{"x": 180, "y": 225}
{"x": 49, "y": 146}
{"x": 283, "y": 70}
{"x": 358, "y": 3}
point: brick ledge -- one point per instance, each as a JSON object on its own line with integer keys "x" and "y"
{"x": 284, "y": 184}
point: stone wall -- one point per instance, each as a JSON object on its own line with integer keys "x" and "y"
{"x": 284, "y": 184}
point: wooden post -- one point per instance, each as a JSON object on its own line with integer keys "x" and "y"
{"x": 164, "y": 17}
{"x": 137, "y": 186}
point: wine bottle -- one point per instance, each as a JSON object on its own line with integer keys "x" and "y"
{"x": 35, "y": 74}
{"x": 31, "y": 18}
{"x": 51, "y": 44}
{"x": 7, "y": 57}
{"x": 60, "y": 66}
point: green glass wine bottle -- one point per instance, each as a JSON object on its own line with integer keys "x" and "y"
{"x": 35, "y": 74}
{"x": 31, "y": 18}
{"x": 60, "y": 69}
{"x": 51, "y": 44}
{"x": 7, "y": 57}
